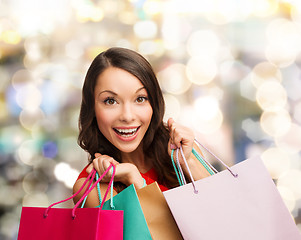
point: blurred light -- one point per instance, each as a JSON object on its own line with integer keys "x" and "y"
{"x": 281, "y": 31}
{"x": 89, "y": 12}
{"x": 276, "y": 161}
{"x": 147, "y": 47}
{"x": 231, "y": 72}
{"x": 54, "y": 95}
{"x": 127, "y": 17}
{"x": 209, "y": 117}
{"x": 291, "y": 140}
{"x": 74, "y": 119}
{"x": 11, "y": 137}
{"x": 36, "y": 199}
{"x": 34, "y": 183}
{"x": 247, "y": 89}
{"x": 29, "y": 97}
{"x": 275, "y": 123}
{"x": 222, "y": 12}
{"x": 21, "y": 78}
{"x": 297, "y": 112}
{"x": 124, "y": 43}
{"x": 172, "y": 107}
{"x": 50, "y": 149}
{"x": 282, "y": 56}
{"x": 11, "y": 101}
{"x": 288, "y": 197}
{"x": 30, "y": 117}
{"x": 206, "y": 107}
{"x": 36, "y": 48}
{"x": 284, "y": 38}
{"x": 10, "y": 37}
{"x": 271, "y": 96}
{"x": 171, "y": 32}
{"x": 27, "y": 152}
{"x": 187, "y": 6}
{"x": 9, "y": 195}
{"x": 153, "y": 7}
{"x": 264, "y": 8}
{"x": 263, "y": 72}
{"x": 173, "y": 79}
{"x": 3, "y": 110}
{"x": 201, "y": 70}
{"x": 9, "y": 225}
{"x": 295, "y": 11}
{"x": 292, "y": 82}
{"x": 291, "y": 179}
{"x": 64, "y": 173}
{"x": 203, "y": 43}
{"x": 252, "y": 129}
{"x": 5, "y": 75}
{"x": 74, "y": 49}
{"x": 145, "y": 29}
{"x": 34, "y": 17}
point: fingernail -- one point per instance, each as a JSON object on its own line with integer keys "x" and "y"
{"x": 172, "y": 146}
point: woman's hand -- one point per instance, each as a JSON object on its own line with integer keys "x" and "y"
{"x": 183, "y": 136}
{"x": 180, "y": 136}
{"x": 127, "y": 173}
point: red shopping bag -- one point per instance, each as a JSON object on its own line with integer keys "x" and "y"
{"x": 241, "y": 202}
{"x": 38, "y": 223}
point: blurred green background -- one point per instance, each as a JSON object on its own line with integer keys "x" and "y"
{"x": 228, "y": 69}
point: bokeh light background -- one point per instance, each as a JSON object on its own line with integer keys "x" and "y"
{"x": 228, "y": 69}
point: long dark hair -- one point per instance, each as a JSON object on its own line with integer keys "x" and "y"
{"x": 156, "y": 138}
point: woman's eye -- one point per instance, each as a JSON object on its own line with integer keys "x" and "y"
{"x": 110, "y": 101}
{"x": 141, "y": 99}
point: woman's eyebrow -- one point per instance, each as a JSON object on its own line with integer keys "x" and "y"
{"x": 115, "y": 94}
{"x": 108, "y": 91}
{"x": 139, "y": 89}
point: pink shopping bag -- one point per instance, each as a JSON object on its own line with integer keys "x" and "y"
{"x": 241, "y": 203}
{"x": 39, "y": 223}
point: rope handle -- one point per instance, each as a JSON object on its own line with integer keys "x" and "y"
{"x": 112, "y": 198}
{"x": 180, "y": 171}
{"x": 90, "y": 178}
{"x": 211, "y": 170}
{"x": 217, "y": 158}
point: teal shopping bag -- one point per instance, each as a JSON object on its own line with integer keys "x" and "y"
{"x": 134, "y": 223}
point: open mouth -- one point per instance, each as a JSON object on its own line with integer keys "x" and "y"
{"x": 126, "y": 132}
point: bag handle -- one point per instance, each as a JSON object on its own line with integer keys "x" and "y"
{"x": 89, "y": 178}
{"x": 112, "y": 197}
{"x": 217, "y": 158}
{"x": 186, "y": 164}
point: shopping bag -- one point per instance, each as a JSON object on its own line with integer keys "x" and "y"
{"x": 241, "y": 202}
{"x": 159, "y": 219}
{"x": 135, "y": 226}
{"x": 39, "y": 223}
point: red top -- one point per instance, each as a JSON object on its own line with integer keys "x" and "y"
{"x": 150, "y": 177}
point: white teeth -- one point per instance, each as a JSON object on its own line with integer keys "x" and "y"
{"x": 127, "y": 131}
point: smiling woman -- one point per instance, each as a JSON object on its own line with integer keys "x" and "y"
{"x": 122, "y": 109}
{"x": 121, "y": 122}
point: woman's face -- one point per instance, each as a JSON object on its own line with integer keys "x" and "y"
{"x": 122, "y": 109}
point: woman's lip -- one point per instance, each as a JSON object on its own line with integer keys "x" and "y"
{"x": 133, "y": 127}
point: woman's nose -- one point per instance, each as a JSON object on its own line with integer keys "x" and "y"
{"x": 127, "y": 113}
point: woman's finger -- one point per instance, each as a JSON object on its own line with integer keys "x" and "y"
{"x": 89, "y": 168}
{"x": 171, "y": 127}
